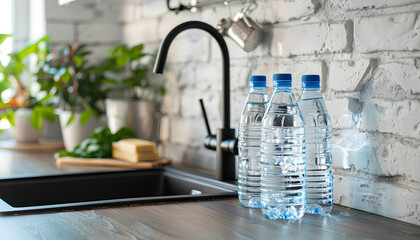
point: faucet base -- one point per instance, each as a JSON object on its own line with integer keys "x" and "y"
{"x": 225, "y": 164}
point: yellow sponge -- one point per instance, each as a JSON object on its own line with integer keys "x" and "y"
{"x": 134, "y": 145}
{"x": 135, "y": 157}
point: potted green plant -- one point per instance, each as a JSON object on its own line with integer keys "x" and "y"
{"x": 20, "y": 104}
{"x": 141, "y": 93}
{"x": 79, "y": 88}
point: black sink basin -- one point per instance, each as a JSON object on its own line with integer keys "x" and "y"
{"x": 110, "y": 188}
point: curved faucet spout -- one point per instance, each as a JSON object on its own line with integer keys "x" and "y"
{"x": 163, "y": 53}
{"x": 225, "y": 162}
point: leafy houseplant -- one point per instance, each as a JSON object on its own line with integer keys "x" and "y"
{"x": 16, "y": 90}
{"x": 137, "y": 82}
{"x": 140, "y": 108}
{"x": 79, "y": 88}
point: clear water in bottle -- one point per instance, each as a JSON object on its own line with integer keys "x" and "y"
{"x": 319, "y": 179}
{"x": 283, "y": 193}
{"x": 249, "y": 140}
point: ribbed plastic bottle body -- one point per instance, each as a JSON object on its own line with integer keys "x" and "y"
{"x": 249, "y": 140}
{"x": 283, "y": 193}
{"x": 319, "y": 179}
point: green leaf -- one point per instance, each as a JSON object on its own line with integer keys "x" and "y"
{"x": 107, "y": 80}
{"x": 66, "y": 76}
{"x": 88, "y": 141}
{"x": 3, "y": 37}
{"x": 130, "y": 81}
{"x": 10, "y": 116}
{"x": 36, "y": 119}
{"x": 122, "y": 58}
{"x": 114, "y": 51}
{"x": 136, "y": 50}
{"x": 33, "y": 47}
{"x": 64, "y": 153}
{"x": 93, "y": 148}
{"x": 4, "y": 112}
{"x": 4, "y": 85}
{"x": 162, "y": 91}
{"x": 138, "y": 56}
{"x": 102, "y": 133}
{"x": 29, "y": 49}
{"x": 71, "y": 119}
{"x": 78, "y": 60}
{"x": 46, "y": 112}
{"x": 42, "y": 112}
{"x": 47, "y": 97}
{"x": 124, "y": 132}
{"x": 86, "y": 114}
{"x": 62, "y": 74}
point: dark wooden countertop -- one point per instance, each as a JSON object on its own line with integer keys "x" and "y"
{"x": 218, "y": 219}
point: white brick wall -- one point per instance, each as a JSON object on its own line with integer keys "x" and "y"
{"x": 397, "y": 156}
{"x": 98, "y": 24}
{"x": 145, "y": 30}
{"x": 75, "y": 11}
{"x": 376, "y": 194}
{"x": 283, "y": 10}
{"x": 95, "y": 33}
{"x": 400, "y": 118}
{"x": 404, "y": 72}
{"x": 312, "y": 38}
{"x": 346, "y": 75}
{"x": 359, "y": 5}
{"x": 61, "y": 32}
{"x": 365, "y": 51}
{"x": 396, "y": 32}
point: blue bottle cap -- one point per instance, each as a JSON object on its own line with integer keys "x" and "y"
{"x": 282, "y": 80}
{"x": 257, "y": 81}
{"x": 310, "y": 81}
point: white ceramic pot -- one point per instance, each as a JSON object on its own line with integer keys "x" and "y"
{"x": 75, "y": 133}
{"x": 23, "y": 131}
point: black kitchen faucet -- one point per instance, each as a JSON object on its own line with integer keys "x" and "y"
{"x": 224, "y": 142}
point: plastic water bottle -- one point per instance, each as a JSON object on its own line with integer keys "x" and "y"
{"x": 319, "y": 185}
{"x": 283, "y": 186}
{"x": 249, "y": 141}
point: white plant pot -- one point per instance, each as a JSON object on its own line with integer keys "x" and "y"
{"x": 23, "y": 131}
{"x": 75, "y": 133}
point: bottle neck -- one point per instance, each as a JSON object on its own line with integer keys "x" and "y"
{"x": 283, "y": 89}
{"x": 309, "y": 93}
{"x": 312, "y": 89}
{"x": 257, "y": 89}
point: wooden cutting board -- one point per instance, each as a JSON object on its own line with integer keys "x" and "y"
{"x": 111, "y": 162}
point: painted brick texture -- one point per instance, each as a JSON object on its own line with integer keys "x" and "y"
{"x": 97, "y": 24}
{"x": 396, "y": 32}
{"x": 310, "y": 39}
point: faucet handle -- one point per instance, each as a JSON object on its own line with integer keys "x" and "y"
{"x": 206, "y": 121}
{"x": 210, "y": 141}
